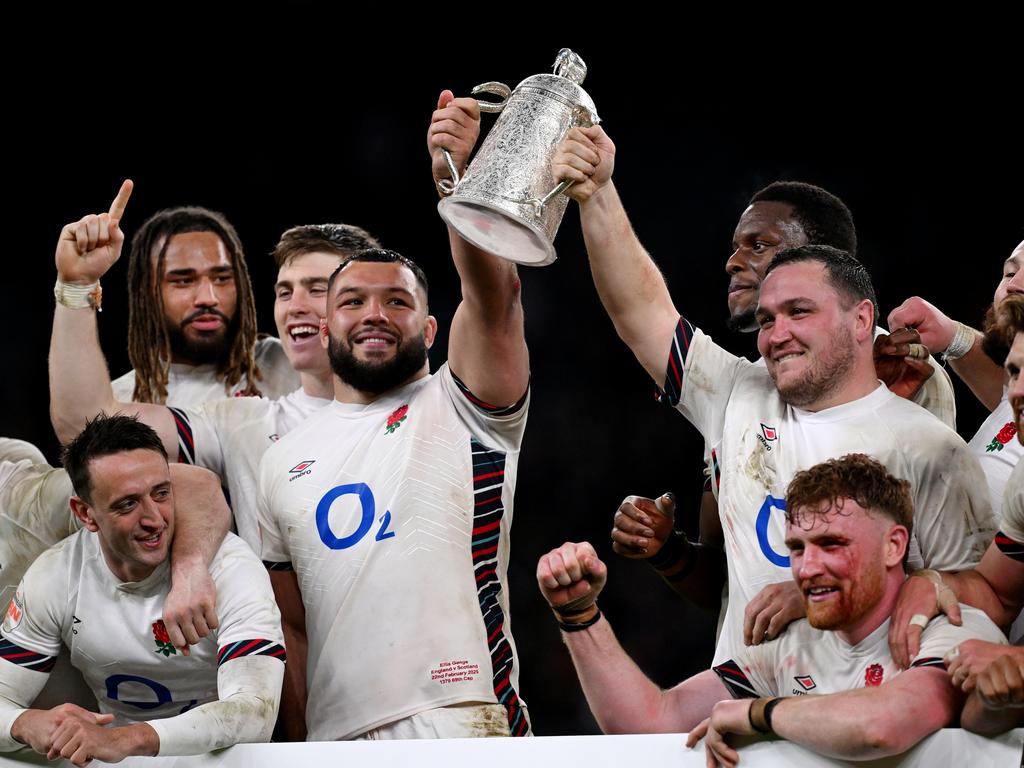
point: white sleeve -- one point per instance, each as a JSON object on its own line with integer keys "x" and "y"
{"x": 940, "y": 636}
{"x": 502, "y": 424}
{"x": 273, "y": 546}
{"x": 700, "y": 379}
{"x": 249, "y": 693}
{"x": 19, "y": 686}
{"x": 29, "y": 641}
{"x": 14, "y": 450}
{"x": 1012, "y": 523}
{"x": 936, "y": 395}
{"x": 953, "y": 518}
{"x": 751, "y": 672}
{"x": 124, "y": 387}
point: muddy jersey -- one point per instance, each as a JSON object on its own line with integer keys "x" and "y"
{"x": 760, "y": 442}
{"x": 189, "y": 386}
{"x": 116, "y": 635}
{"x": 998, "y": 450}
{"x": 1011, "y": 528}
{"x": 804, "y": 660}
{"x": 229, "y": 437}
{"x": 34, "y": 515}
{"x": 395, "y": 516}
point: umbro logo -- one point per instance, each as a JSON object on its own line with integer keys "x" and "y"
{"x": 806, "y": 682}
{"x": 300, "y": 469}
{"x": 767, "y": 435}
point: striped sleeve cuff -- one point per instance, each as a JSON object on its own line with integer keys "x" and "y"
{"x": 491, "y": 410}
{"x": 673, "y": 390}
{"x": 186, "y": 442}
{"x": 1010, "y": 547}
{"x": 256, "y": 647}
{"x": 23, "y": 657}
{"x": 737, "y": 683}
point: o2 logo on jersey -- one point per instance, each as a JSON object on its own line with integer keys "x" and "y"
{"x": 368, "y": 511}
{"x": 761, "y": 527}
{"x": 160, "y": 691}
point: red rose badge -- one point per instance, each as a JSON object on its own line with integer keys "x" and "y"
{"x": 162, "y": 639}
{"x": 395, "y": 419}
{"x": 873, "y": 675}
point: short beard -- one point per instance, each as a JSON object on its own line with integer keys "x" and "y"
{"x": 744, "y": 322}
{"x": 821, "y": 383}
{"x": 207, "y": 349}
{"x": 378, "y": 378}
{"x": 993, "y": 343}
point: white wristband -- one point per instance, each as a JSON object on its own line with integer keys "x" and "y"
{"x": 75, "y": 296}
{"x": 961, "y": 343}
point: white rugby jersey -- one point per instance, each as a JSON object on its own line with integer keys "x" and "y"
{"x": 998, "y": 450}
{"x": 229, "y": 437}
{"x": 804, "y": 660}
{"x": 34, "y": 514}
{"x": 1010, "y": 539}
{"x": 395, "y": 516}
{"x": 189, "y": 386}
{"x": 12, "y": 449}
{"x": 760, "y": 442}
{"x": 117, "y": 638}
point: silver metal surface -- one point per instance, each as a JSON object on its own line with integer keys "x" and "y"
{"x": 508, "y": 202}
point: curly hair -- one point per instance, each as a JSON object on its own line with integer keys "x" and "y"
{"x": 855, "y": 477}
{"x": 149, "y": 346}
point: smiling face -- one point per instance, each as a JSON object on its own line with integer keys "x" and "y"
{"x": 199, "y": 297}
{"x": 764, "y": 229}
{"x": 377, "y": 329}
{"x": 300, "y": 303}
{"x": 131, "y": 509}
{"x": 807, "y": 337}
{"x": 841, "y": 557}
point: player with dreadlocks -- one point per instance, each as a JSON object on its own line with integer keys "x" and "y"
{"x": 192, "y": 318}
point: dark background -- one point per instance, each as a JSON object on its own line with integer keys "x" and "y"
{"x": 297, "y": 123}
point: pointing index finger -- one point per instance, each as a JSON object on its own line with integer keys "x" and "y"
{"x": 121, "y": 201}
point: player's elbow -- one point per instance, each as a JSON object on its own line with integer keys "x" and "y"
{"x": 885, "y": 735}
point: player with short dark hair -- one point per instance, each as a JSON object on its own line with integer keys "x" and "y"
{"x": 814, "y": 395}
{"x": 100, "y": 595}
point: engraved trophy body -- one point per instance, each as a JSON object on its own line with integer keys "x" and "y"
{"x": 508, "y": 202}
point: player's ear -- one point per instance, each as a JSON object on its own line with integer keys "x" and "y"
{"x": 325, "y": 335}
{"x": 896, "y": 543}
{"x": 84, "y": 513}
{"x": 430, "y": 331}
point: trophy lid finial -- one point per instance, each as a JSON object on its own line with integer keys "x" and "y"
{"x": 570, "y": 66}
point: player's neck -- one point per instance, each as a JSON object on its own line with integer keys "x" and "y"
{"x": 318, "y": 384}
{"x": 346, "y": 393}
{"x": 860, "y": 382}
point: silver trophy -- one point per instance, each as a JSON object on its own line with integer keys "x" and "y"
{"x": 508, "y": 202}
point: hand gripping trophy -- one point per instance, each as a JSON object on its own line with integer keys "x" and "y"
{"x": 507, "y": 202}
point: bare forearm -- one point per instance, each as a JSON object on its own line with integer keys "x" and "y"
{"x": 989, "y": 722}
{"x": 79, "y": 381}
{"x": 629, "y": 283}
{"x": 202, "y": 517}
{"x": 622, "y": 698}
{"x": 862, "y": 724}
{"x": 487, "y": 344}
{"x": 980, "y": 374}
{"x": 972, "y": 588}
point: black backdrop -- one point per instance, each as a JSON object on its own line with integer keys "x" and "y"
{"x": 302, "y": 125}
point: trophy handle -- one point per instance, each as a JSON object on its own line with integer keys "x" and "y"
{"x": 581, "y": 116}
{"x": 447, "y": 186}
